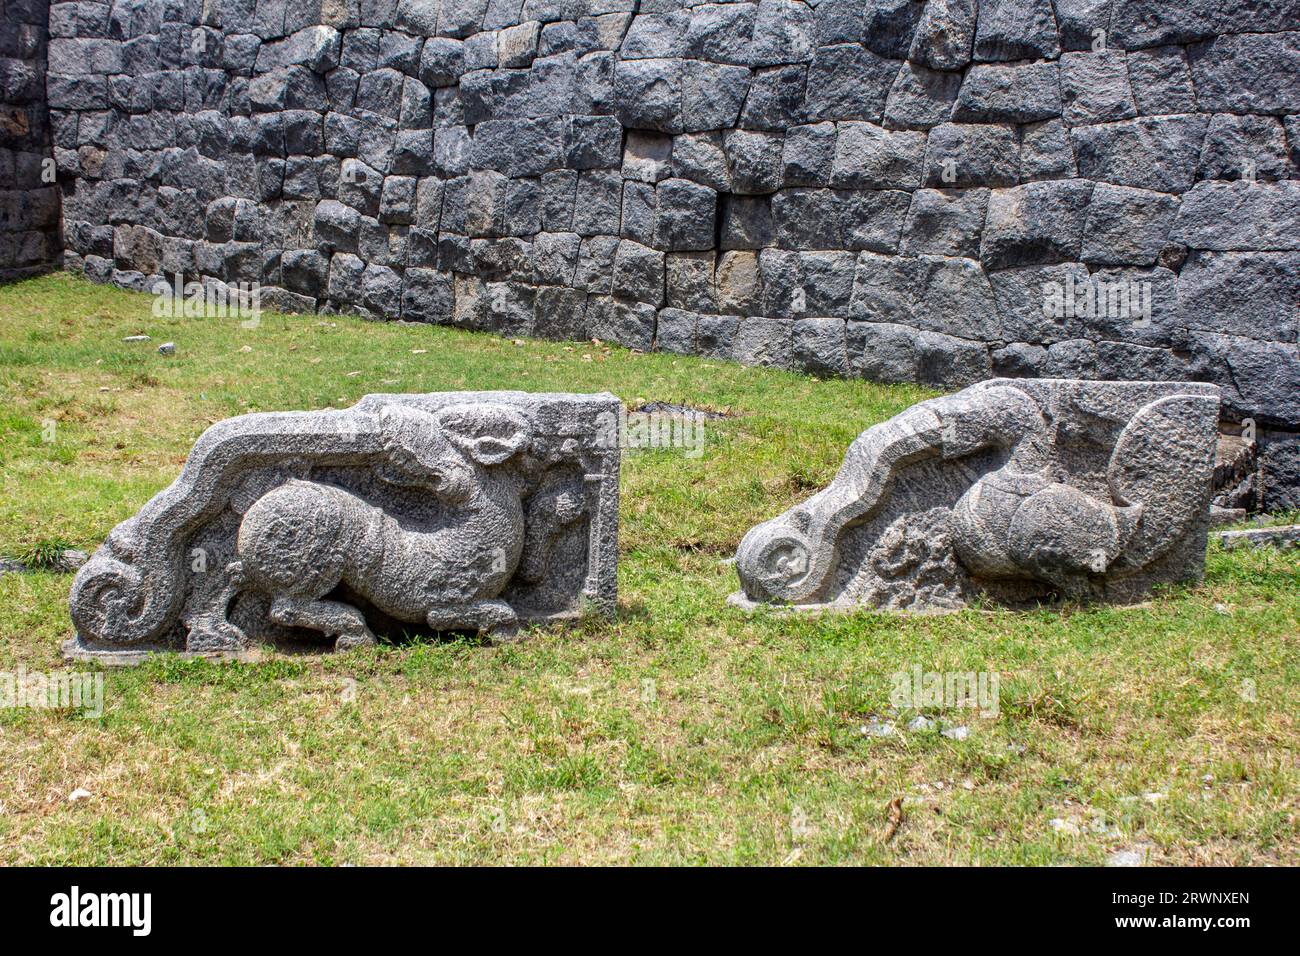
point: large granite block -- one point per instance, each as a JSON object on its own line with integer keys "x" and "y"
{"x": 449, "y": 511}
{"x": 1013, "y": 492}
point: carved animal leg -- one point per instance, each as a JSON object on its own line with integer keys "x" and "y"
{"x": 211, "y": 629}
{"x": 496, "y": 619}
{"x": 331, "y": 618}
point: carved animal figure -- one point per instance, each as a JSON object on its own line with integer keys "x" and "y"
{"x": 1015, "y": 522}
{"x": 300, "y": 541}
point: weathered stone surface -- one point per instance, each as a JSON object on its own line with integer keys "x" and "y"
{"x": 975, "y": 496}
{"x": 639, "y": 273}
{"x": 883, "y": 289}
{"x": 715, "y": 335}
{"x": 1095, "y": 88}
{"x": 1009, "y": 94}
{"x": 960, "y": 154}
{"x": 868, "y": 156}
{"x": 1082, "y": 23}
{"x": 1242, "y": 293}
{"x": 1240, "y": 216}
{"x": 647, "y": 157}
{"x": 945, "y": 222}
{"x": 747, "y": 222}
{"x": 596, "y": 208}
{"x": 649, "y": 94}
{"x": 1159, "y": 153}
{"x": 1127, "y": 226}
{"x": 616, "y": 320}
{"x": 921, "y": 98}
{"x": 848, "y": 82}
{"x": 712, "y": 95}
{"x": 446, "y": 511}
{"x": 675, "y": 331}
{"x": 1046, "y": 152}
{"x": 765, "y": 342}
{"x": 952, "y": 296}
{"x": 883, "y": 351}
{"x": 885, "y": 27}
{"x": 754, "y": 160}
{"x": 686, "y": 216}
{"x": 701, "y": 158}
{"x": 1247, "y": 73}
{"x": 1016, "y": 30}
{"x": 945, "y": 34}
{"x": 1161, "y": 81}
{"x": 1260, "y": 379}
{"x": 819, "y": 346}
{"x": 1244, "y": 147}
{"x": 784, "y": 32}
{"x": 808, "y": 155}
{"x": 656, "y": 35}
{"x": 739, "y": 283}
{"x": 775, "y": 99}
{"x": 1281, "y": 537}
{"x": 689, "y": 280}
{"x": 1279, "y": 471}
{"x": 721, "y": 32}
{"x": 1037, "y": 222}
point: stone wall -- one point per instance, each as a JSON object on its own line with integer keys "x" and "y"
{"x": 916, "y": 190}
{"x": 29, "y": 196}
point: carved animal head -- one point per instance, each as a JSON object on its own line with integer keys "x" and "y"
{"x": 445, "y": 451}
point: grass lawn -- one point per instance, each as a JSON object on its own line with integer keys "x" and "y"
{"x": 684, "y": 732}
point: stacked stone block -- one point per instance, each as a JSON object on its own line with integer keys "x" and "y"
{"x": 29, "y": 194}
{"x": 879, "y": 188}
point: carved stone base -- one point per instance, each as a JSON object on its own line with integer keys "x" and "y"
{"x": 1012, "y": 492}
{"x": 403, "y": 514}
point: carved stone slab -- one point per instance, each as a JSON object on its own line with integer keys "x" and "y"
{"x": 1012, "y": 491}
{"x": 453, "y": 511}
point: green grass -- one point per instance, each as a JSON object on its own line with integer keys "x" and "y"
{"x": 684, "y": 732}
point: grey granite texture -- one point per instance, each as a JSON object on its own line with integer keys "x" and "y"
{"x": 441, "y": 160}
{"x": 1281, "y": 537}
{"x": 1013, "y": 492}
{"x": 405, "y": 513}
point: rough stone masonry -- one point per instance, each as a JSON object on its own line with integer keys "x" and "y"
{"x": 914, "y": 190}
{"x": 29, "y": 194}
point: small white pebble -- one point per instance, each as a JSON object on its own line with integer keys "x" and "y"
{"x": 79, "y": 794}
{"x": 876, "y": 727}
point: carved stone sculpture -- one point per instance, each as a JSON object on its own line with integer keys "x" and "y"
{"x": 1012, "y": 491}
{"x": 438, "y": 512}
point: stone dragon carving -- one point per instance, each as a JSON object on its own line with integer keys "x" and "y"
{"x": 1017, "y": 490}
{"x": 448, "y": 511}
